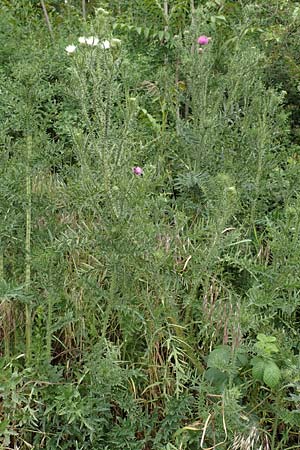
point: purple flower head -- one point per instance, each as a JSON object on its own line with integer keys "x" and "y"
{"x": 203, "y": 40}
{"x": 137, "y": 170}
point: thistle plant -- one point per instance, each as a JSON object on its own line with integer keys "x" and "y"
{"x": 28, "y": 309}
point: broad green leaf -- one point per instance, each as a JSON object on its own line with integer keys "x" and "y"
{"x": 271, "y": 348}
{"x": 272, "y": 374}
{"x": 263, "y": 338}
{"x": 146, "y": 32}
{"x": 241, "y": 358}
{"x": 167, "y": 35}
{"x": 161, "y": 35}
{"x": 219, "y": 358}
{"x": 258, "y": 368}
{"x": 216, "y": 378}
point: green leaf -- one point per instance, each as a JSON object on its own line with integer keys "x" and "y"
{"x": 167, "y": 35}
{"x": 265, "y": 345}
{"x": 189, "y": 135}
{"x": 151, "y": 119}
{"x": 4, "y": 425}
{"x": 271, "y": 348}
{"x": 161, "y": 35}
{"x": 146, "y": 32}
{"x": 221, "y": 18}
{"x": 219, "y": 358}
{"x": 263, "y": 338}
{"x": 258, "y": 368}
{"x": 272, "y": 374}
{"x": 216, "y": 377}
{"x": 241, "y": 358}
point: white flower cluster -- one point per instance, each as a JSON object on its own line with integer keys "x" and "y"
{"x": 91, "y": 40}
{"x": 94, "y": 41}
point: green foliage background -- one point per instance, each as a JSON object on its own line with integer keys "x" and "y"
{"x": 158, "y": 311}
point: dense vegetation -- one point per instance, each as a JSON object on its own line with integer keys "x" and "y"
{"x": 150, "y": 232}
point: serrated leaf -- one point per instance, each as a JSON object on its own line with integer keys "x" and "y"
{"x": 151, "y": 119}
{"x": 161, "y": 35}
{"x": 167, "y": 35}
{"x": 241, "y": 358}
{"x": 190, "y": 136}
{"x": 258, "y": 368}
{"x": 216, "y": 377}
{"x": 146, "y": 32}
{"x": 139, "y": 30}
{"x": 271, "y": 348}
{"x": 62, "y": 322}
{"x": 272, "y": 374}
{"x": 219, "y": 358}
{"x": 262, "y": 337}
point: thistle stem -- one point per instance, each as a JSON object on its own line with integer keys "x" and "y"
{"x": 49, "y": 327}
{"x": 28, "y": 326}
{"x": 47, "y": 19}
{"x": 83, "y": 10}
{"x": 6, "y": 330}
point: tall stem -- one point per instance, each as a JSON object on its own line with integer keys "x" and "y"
{"x": 166, "y": 14}
{"x": 83, "y": 10}
{"x": 276, "y": 421}
{"x": 260, "y": 161}
{"x": 28, "y": 326}
{"x": 110, "y": 303}
{"x": 47, "y": 19}
{"x": 49, "y": 326}
{"x": 192, "y": 8}
{"x": 6, "y": 311}
{"x": 1, "y": 264}
{"x": 193, "y": 11}
{"x": 166, "y": 19}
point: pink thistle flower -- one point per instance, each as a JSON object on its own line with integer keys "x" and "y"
{"x": 203, "y": 40}
{"x": 137, "y": 170}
